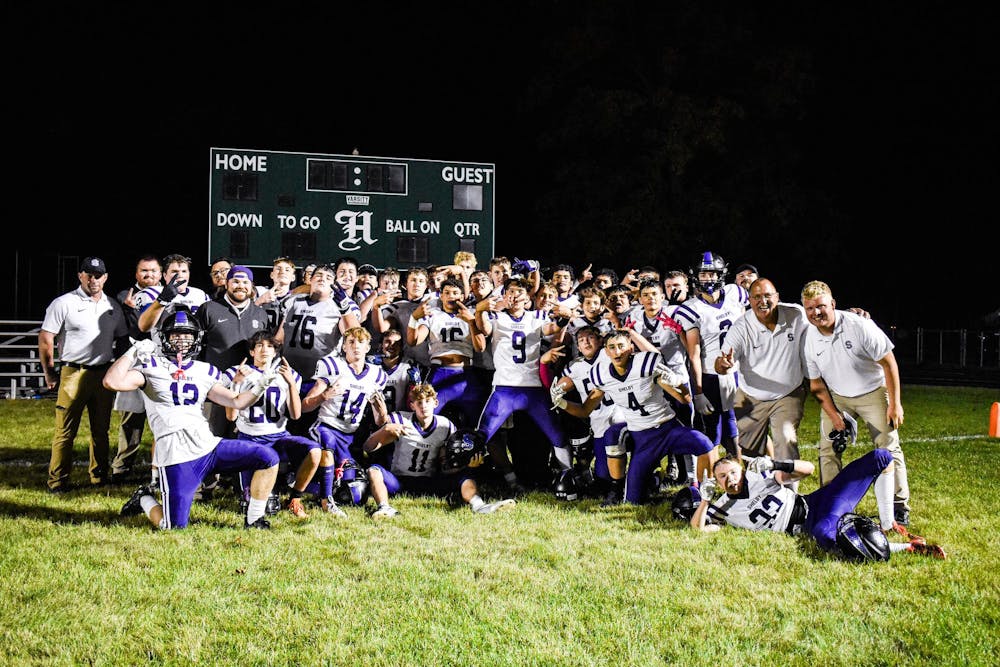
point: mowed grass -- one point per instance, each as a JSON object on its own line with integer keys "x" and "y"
{"x": 548, "y": 583}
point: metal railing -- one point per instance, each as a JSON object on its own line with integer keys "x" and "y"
{"x": 21, "y": 373}
{"x": 951, "y": 346}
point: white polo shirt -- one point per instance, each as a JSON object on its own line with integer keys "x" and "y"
{"x": 848, "y": 359}
{"x": 770, "y": 362}
{"x": 85, "y": 327}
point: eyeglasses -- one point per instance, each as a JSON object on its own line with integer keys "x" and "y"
{"x": 220, "y": 272}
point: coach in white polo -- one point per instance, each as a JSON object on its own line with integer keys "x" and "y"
{"x": 766, "y": 344}
{"x": 851, "y": 367}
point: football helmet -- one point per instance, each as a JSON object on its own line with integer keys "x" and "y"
{"x": 350, "y": 486}
{"x": 859, "y": 538}
{"x": 180, "y": 321}
{"x": 565, "y": 486}
{"x": 709, "y": 262}
{"x": 461, "y": 446}
{"x": 684, "y": 503}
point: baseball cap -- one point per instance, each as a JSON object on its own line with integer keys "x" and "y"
{"x": 237, "y": 270}
{"x": 746, "y": 267}
{"x": 93, "y": 265}
{"x": 367, "y": 269}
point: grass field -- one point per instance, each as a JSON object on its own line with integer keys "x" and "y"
{"x": 548, "y": 583}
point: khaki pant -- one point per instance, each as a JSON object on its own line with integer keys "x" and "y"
{"x": 869, "y": 408}
{"x": 781, "y": 417}
{"x": 79, "y": 389}
{"x": 129, "y": 441}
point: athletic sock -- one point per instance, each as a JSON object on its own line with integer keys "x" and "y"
{"x": 147, "y": 503}
{"x": 255, "y": 509}
{"x": 476, "y": 502}
{"x": 884, "y": 485}
{"x": 326, "y": 485}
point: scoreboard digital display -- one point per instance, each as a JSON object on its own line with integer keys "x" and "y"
{"x": 312, "y": 207}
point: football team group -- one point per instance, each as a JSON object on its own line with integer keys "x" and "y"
{"x": 343, "y": 385}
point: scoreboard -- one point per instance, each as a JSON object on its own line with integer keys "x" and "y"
{"x": 312, "y": 207}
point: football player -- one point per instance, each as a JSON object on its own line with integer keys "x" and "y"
{"x": 342, "y": 390}
{"x": 452, "y": 337}
{"x": 397, "y": 314}
{"x": 412, "y": 445}
{"x": 759, "y": 498}
{"x": 607, "y": 420}
{"x": 652, "y": 321}
{"x": 275, "y": 299}
{"x": 706, "y": 319}
{"x": 638, "y": 383}
{"x": 314, "y": 322}
{"x": 175, "y": 387}
{"x": 516, "y": 344}
{"x": 266, "y": 420}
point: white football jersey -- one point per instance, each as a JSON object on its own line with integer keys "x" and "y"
{"x": 713, "y": 321}
{"x": 174, "y": 398}
{"x": 312, "y": 331}
{"x": 448, "y": 334}
{"x": 418, "y": 453}
{"x": 606, "y": 413}
{"x": 666, "y": 333}
{"x": 763, "y": 505}
{"x": 269, "y": 414}
{"x": 345, "y": 410}
{"x": 396, "y": 385}
{"x": 517, "y": 345}
{"x": 638, "y": 395}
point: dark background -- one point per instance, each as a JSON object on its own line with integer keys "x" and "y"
{"x": 854, "y": 144}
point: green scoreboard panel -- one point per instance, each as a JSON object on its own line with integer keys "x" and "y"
{"x": 314, "y": 207}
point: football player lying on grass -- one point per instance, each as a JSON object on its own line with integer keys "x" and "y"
{"x": 757, "y": 499}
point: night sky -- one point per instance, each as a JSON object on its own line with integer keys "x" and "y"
{"x": 851, "y": 144}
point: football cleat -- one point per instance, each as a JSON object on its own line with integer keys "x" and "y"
{"x": 613, "y": 497}
{"x": 329, "y": 505}
{"x": 386, "y": 512}
{"x": 273, "y": 505}
{"x": 920, "y": 547}
{"x": 133, "y": 506}
{"x": 297, "y": 509}
{"x": 490, "y": 508}
{"x": 260, "y": 524}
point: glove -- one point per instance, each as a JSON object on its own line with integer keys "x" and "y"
{"x": 702, "y": 405}
{"x": 523, "y": 266}
{"x": 170, "y": 291}
{"x": 413, "y": 374}
{"x": 343, "y": 300}
{"x": 556, "y": 392}
{"x": 668, "y": 376}
{"x": 264, "y": 381}
{"x": 143, "y": 350}
{"x": 708, "y": 489}
{"x": 760, "y": 464}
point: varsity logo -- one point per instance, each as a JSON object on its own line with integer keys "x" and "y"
{"x": 357, "y": 229}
